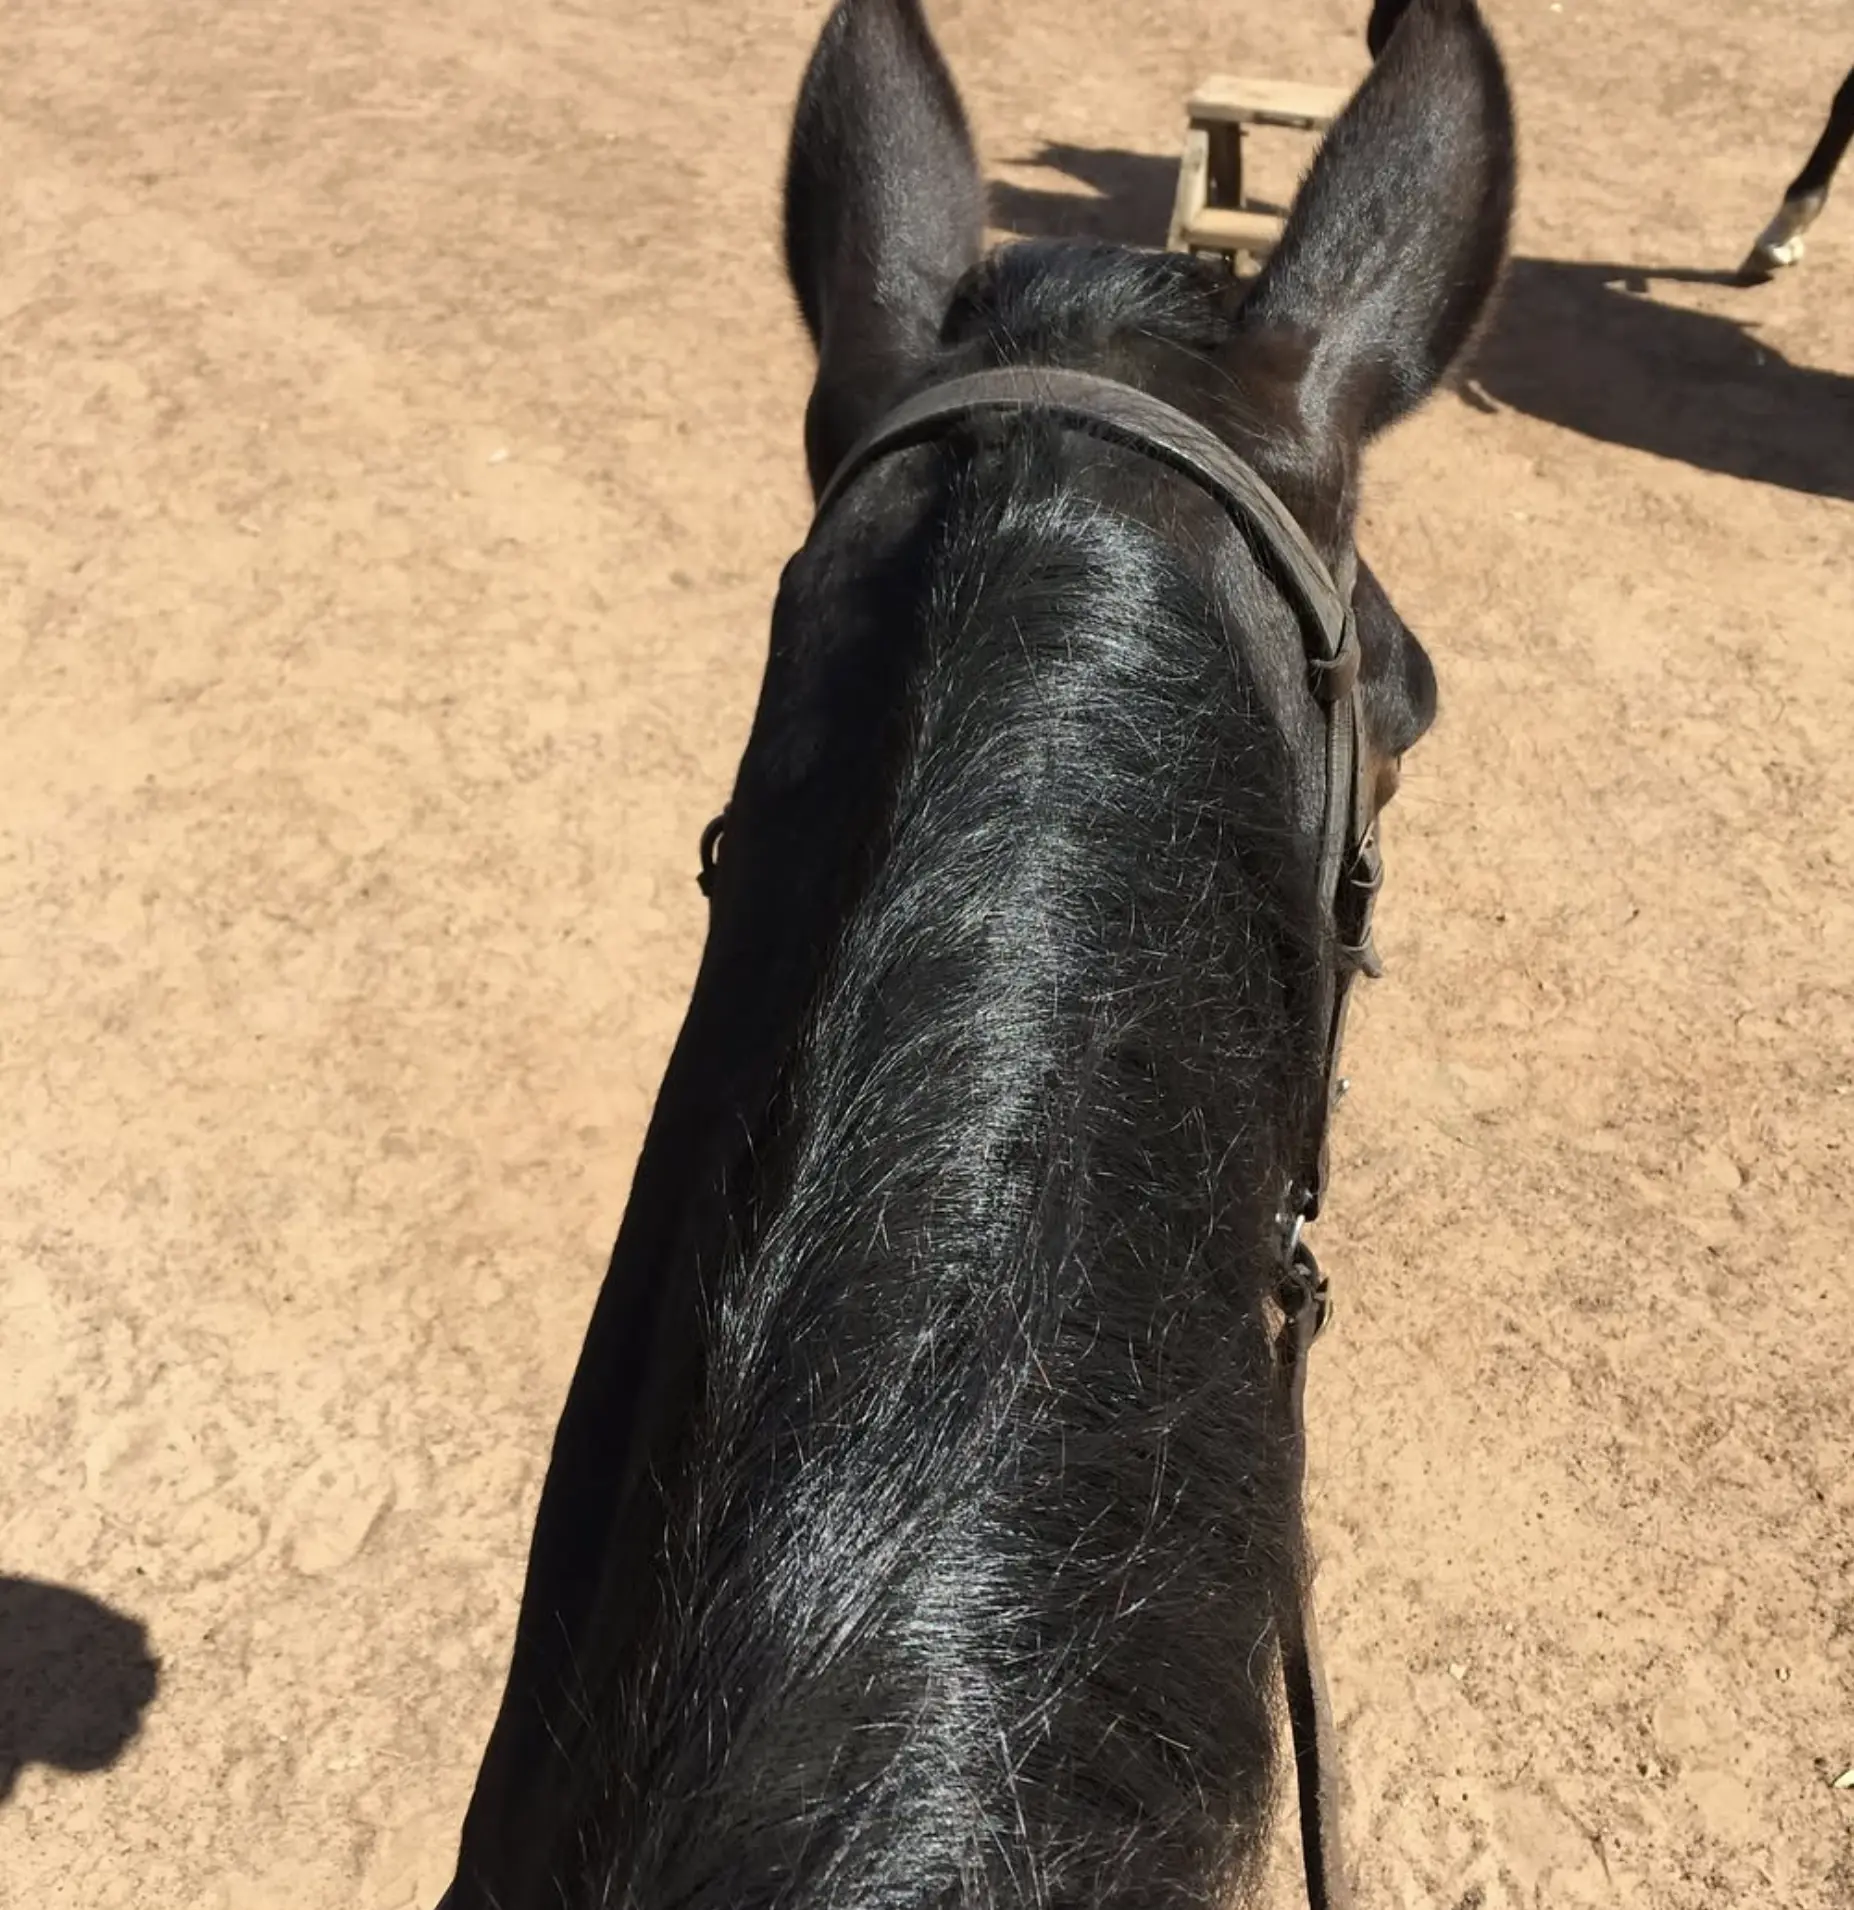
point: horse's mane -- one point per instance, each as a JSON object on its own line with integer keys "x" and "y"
{"x": 976, "y": 1533}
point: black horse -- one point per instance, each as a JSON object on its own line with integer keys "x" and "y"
{"x": 925, "y": 1515}
{"x": 1781, "y": 242}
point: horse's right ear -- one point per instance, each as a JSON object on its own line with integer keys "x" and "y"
{"x": 1395, "y": 244}
{"x": 1383, "y": 23}
{"x": 884, "y": 212}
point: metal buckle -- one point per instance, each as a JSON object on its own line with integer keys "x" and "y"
{"x": 1305, "y": 1293}
{"x": 1357, "y": 902}
{"x": 710, "y": 853}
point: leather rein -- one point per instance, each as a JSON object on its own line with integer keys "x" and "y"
{"x": 1349, "y": 875}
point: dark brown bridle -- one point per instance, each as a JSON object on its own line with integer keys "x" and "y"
{"x": 1349, "y": 867}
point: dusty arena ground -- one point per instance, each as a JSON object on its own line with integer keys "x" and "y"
{"x": 400, "y": 411}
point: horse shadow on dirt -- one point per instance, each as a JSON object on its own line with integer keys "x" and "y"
{"x": 1587, "y": 347}
{"x": 75, "y": 1678}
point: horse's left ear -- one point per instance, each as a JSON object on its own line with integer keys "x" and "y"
{"x": 884, "y": 212}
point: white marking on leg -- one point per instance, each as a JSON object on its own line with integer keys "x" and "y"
{"x": 1780, "y": 244}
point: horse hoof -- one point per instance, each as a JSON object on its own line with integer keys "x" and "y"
{"x": 1779, "y": 245}
{"x": 1764, "y": 262}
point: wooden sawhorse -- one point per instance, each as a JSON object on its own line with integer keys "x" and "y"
{"x": 1210, "y": 213}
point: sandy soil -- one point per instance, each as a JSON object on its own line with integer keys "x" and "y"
{"x": 400, "y": 411}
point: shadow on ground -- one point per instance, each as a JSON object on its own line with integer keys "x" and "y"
{"x": 1590, "y": 348}
{"x": 1129, "y": 201}
{"x": 75, "y": 1677}
{"x": 1587, "y": 347}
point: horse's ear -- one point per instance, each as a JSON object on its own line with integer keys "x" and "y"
{"x": 884, "y": 211}
{"x": 1383, "y": 23}
{"x": 1396, "y": 242}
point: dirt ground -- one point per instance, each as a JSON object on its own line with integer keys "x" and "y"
{"x": 400, "y": 411}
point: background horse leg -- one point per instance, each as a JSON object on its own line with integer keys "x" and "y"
{"x": 1781, "y": 242}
